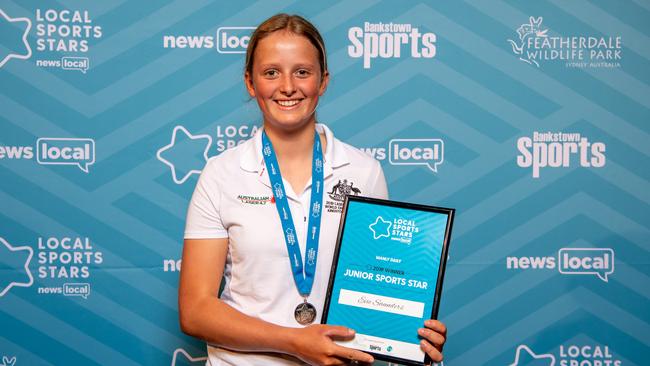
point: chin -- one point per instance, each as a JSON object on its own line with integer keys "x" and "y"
{"x": 291, "y": 125}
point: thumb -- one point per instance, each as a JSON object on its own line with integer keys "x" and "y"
{"x": 336, "y": 331}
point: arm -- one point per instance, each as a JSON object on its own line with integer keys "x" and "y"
{"x": 204, "y": 315}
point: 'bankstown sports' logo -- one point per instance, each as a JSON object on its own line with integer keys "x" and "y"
{"x": 385, "y": 40}
{"x": 558, "y": 149}
{"x": 535, "y": 46}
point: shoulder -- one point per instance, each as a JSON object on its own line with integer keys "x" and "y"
{"x": 357, "y": 158}
{"x": 222, "y": 169}
{"x": 229, "y": 158}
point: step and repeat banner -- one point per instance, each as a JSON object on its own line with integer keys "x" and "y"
{"x": 531, "y": 118}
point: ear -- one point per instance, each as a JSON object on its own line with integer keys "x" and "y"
{"x": 248, "y": 80}
{"x": 324, "y": 82}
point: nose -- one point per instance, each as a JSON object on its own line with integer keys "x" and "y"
{"x": 287, "y": 86}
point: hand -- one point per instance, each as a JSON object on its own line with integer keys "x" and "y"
{"x": 314, "y": 345}
{"x": 434, "y": 336}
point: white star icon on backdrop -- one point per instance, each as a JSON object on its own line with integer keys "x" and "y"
{"x": 9, "y": 252}
{"x": 28, "y": 49}
{"x": 167, "y": 156}
{"x": 546, "y": 359}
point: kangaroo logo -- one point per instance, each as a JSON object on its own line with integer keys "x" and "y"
{"x": 526, "y": 31}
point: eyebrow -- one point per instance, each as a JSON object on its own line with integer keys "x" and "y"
{"x": 299, "y": 66}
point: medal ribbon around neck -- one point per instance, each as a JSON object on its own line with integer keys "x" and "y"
{"x": 304, "y": 278}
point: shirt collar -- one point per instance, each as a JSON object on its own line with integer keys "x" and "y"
{"x": 335, "y": 155}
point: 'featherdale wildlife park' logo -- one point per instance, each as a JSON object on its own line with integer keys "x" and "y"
{"x": 535, "y": 46}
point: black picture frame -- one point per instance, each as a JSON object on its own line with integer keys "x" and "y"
{"x": 450, "y": 212}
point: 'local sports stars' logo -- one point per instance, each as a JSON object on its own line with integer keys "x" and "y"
{"x": 181, "y": 152}
{"x": 524, "y": 355}
{"x": 181, "y": 357}
{"x": 16, "y": 29}
{"x": 380, "y": 228}
{"x": 16, "y": 259}
{"x": 8, "y": 361}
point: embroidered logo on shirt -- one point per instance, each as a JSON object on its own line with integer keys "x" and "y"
{"x": 338, "y": 193}
{"x": 342, "y": 189}
{"x": 255, "y": 200}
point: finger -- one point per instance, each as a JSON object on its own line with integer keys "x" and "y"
{"x": 434, "y": 353}
{"x": 336, "y": 331}
{"x": 436, "y": 325}
{"x": 433, "y": 337}
{"x": 334, "y": 361}
{"x": 353, "y": 354}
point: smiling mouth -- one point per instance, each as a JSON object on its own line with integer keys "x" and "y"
{"x": 288, "y": 103}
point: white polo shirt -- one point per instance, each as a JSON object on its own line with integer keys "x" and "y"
{"x": 233, "y": 199}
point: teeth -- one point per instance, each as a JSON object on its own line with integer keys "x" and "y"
{"x": 288, "y": 103}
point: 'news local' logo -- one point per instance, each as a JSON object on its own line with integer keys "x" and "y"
{"x": 389, "y": 40}
{"x": 67, "y": 63}
{"x": 226, "y": 40}
{"x": 427, "y": 152}
{"x": 76, "y": 289}
{"x": 79, "y": 152}
{"x": 558, "y": 149}
{"x": 570, "y": 261}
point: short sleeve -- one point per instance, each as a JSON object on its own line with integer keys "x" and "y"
{"x": 377, "y": 183}
{"x": 203, "y": 214}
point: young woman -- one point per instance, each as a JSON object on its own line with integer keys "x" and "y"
{"x": 269, "y": 208}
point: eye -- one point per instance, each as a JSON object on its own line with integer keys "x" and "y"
{"x": 303, "y": 73}
{"x": 271, "y": 73}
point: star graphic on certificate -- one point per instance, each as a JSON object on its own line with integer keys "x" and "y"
{"x": 186, "y": 154}
{"x": 380, "y": 228}
{"x": 526, "y": 356}
{"x": 16, "y": 30}
{"x": 14, "y": 260}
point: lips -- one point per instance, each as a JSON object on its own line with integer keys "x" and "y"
{"x": 285, "y": 104}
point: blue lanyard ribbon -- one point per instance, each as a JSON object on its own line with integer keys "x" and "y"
{"x": 304, "y": 278}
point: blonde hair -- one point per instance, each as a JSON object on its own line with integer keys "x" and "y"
{"x": 291, "y": 23}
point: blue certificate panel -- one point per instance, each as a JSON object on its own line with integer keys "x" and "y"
{"x": 386, "y": 275}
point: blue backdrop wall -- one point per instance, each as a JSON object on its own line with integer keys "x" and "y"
{"x": 529, "y": 117}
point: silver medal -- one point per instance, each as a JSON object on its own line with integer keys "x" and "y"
{"x": 305, "y": 313}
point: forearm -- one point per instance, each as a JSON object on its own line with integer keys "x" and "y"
{"x": 218, "y": 323}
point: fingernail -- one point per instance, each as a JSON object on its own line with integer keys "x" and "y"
{"x": 421, "y": 332}
{"x": 350, "y": 331}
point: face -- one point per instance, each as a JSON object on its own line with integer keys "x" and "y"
{"x": 286, "y": 80}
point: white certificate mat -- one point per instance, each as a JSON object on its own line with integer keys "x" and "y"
{"x": 387, "y": 275}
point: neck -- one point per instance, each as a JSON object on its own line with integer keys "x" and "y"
{"x": 292, "y": 145}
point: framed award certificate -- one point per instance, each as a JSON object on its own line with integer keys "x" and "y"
{"x": 387, "y": 275}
